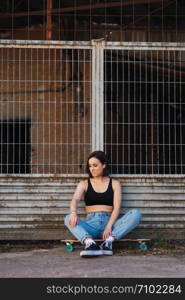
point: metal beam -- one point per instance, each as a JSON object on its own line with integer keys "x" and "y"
{"x": 49, "y": 20}
{"x": 80, "y": 8}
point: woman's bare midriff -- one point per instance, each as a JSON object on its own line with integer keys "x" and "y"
{"x": 98, "y": 208}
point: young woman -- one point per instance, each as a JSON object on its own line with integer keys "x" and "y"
{"x": 102, "y": 196}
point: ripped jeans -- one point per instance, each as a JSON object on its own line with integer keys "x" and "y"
{"x": 95, "y": 224}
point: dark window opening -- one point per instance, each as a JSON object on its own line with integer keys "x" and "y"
{"x": 15, "y": 146}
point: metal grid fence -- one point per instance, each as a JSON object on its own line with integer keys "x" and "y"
{"x": 61, "y": 100}
{"x": 113, "y": 20}
{"x": 145, "y": 109}
{"x": 45, "y": 108}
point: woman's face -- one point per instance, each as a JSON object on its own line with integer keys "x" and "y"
{"x": 96, "y": 167}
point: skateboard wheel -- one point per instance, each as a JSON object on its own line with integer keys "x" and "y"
{"x": 143, "y": 246}
{"x": 69, "y": 247}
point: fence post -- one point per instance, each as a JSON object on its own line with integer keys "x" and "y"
{"x": 97, "y": 95}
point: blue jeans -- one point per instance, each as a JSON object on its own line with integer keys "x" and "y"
{"x": 95, "y": 224}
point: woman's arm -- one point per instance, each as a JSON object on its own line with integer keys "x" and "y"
{"x": 116, "y": 207}
{"x": 78, "y": 194}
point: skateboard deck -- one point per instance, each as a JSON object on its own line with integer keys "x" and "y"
{"x": 142, "y": 243}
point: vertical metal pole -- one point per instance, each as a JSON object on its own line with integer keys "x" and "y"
{"x": 49, "y": 20}
{"x": 97, "y": 95}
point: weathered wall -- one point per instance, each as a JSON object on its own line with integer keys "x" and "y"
{"x": 34, "y": 207}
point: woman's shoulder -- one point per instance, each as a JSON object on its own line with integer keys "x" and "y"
{"x": 83, "y": 184}
{"x": 115, "y": 183}
{"x": 115, "y": 180}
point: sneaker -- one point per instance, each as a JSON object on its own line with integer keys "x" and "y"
{"x": 91, "y": 250}
{"x": 106, "y": 247}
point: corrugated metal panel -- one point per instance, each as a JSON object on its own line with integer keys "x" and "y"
{"x": 34, "y": 207}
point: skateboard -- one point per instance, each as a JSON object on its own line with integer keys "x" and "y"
{"x": 141, "y": 243}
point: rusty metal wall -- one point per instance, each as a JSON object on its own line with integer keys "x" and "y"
{"x": 33, "y": 207}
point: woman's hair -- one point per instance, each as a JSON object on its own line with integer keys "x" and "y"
{"x": 101, "y": 156}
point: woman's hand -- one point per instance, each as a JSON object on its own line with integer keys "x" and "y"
{"x": 107, "y": 232}
{"x": 73, "y": 220}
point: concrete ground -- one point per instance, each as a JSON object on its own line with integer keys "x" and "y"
{"x": 53, "y": 262}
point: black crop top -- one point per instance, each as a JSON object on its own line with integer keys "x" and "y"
{"x": 95, "y": 198}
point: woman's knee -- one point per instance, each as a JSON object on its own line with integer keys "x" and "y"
{"x": 66, "y": 220}
{"x": 137, "y": 213}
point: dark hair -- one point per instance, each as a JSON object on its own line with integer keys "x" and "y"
{"x": 101, "y": 156}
